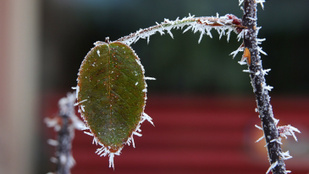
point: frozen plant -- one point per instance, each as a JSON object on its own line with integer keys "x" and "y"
{"x": 103, "y": 85}
{"x": 64, "y": 124}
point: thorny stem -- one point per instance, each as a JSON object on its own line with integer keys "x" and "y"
{"x": 65, "y": 146}
{"x": 64, "y": 124}
{"x": 192, "y": 22}
{"x": 261, "y": 93}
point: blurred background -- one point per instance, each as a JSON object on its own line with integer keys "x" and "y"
{"x": 201, "y": 103}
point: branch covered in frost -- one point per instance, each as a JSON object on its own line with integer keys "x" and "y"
{"x": 272, "y": 133}
{"x": 64, "y": 125}
{"x": 224, "y": 25}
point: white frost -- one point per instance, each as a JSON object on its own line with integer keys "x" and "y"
{"x": 272, "y": 166}
{"x": 288, "y": 130}
{"x": 204, "y": 25}
{"x": 150, "y": 78}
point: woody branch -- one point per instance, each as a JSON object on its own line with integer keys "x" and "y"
{"x": 261, "y": 90}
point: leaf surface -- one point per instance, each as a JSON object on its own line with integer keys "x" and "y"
{"x": 112, "y": 92}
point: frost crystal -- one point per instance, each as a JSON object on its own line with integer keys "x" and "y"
{"x": 240, "y": 2}
{"x": 272, "y": 166}
{"x": 285, "y": 155}
{"x": 150, "y": 78}
{"x": 261, "y": 3}
{"x": 288, "y": 130}
{"x": 224, "y": 25}
{"x": 239, "y": 49}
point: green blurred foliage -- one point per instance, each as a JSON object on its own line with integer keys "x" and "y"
{"x": 181, "y": 64}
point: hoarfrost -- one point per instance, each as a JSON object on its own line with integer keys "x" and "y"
{"x": 272, "y": 166}
{"x": 288, "y": 130}
{"x": 52, "y": 142}
{"x": 285, "y": 155}
{"x": 265, "y": 71}
{"x": 204, "y": 25}
{"x": 240, "y": 2}
{"x": 259, "y": 127}
{"x": 150, "y": 78}
{"x": 239, "y": 49}
{"x": 258, "y": 140}
{"x": 261, "y": 51}
{"x": 246, "y": 71}
{"x": 261, "y": 3}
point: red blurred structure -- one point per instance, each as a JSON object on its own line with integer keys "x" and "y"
{"x": 204, "y": 134}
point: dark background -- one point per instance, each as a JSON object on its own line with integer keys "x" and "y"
{"x": 180, "y": 65}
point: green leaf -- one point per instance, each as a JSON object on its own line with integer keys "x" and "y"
{"x": 111, "y": 93}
